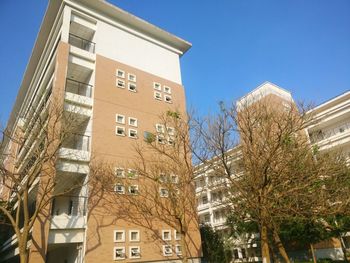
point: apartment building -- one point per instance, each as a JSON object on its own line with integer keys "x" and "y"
{"x": 117, "y": 73}
{"x": 330, "y": 130}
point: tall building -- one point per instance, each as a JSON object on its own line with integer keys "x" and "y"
{"x": 329, "y": 129}
{"x": 117, "y": 74}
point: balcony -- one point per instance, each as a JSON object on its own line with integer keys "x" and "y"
{"x": 81, "y": 43}
{"x": 76, "y": 148}
{"x": 68, "y": 212}
{"x": 78, "y": 93}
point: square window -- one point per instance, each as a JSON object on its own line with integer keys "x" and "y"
{"x": 178, "y": 250}
{"x": 133, "y": 133}
{"x": 120, "y": 189}
{"x": 167, "y": 251}
{"x": 133, "y": 189}
{"x": 157, "y": 86}
{"x": 131, "y": 174}
{"x": 119, "y": 236}
{"x": 167, "y": 89}
{"x": 168, "y": 99}
{"x": 119, "y": 253}
{"x": 120, "y": 73}
{"x": 166, "y": 235}
{"x": 120, "y": 83}
{"x": 160, "y": 128}
{"x": 161, "y": 139}
{"x": 132, "y": 121}
{"x": 119, "y": 172}
{"x": 163, "y": 178}
{"x": 157, "y": 95}
{"x": 135, "y": 252}
{"x": 174, "y": 179}
{"x": 120, "y": 131}
{"x": 132, "y": 77}
{"x": 177, "y": 235}
{"x": 163, "y": 192}
{"x": 171, "y": 130}
{"x": 120, "y": 118}
{"x": 132, "y": 87}
{"x": 134, "y": 235}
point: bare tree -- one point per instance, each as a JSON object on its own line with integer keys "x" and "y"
{"x": 29, "y": 156}
{"x": 264, "y": 152}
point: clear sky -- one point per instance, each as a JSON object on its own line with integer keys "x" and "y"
{"x": 300, "y": 45}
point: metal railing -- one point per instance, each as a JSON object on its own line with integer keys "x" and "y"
{"x": 77, "y": 142}
{"x": 69, "y": 205}
{"x": 82, "y": 43}
{"x": 79, "y": 88}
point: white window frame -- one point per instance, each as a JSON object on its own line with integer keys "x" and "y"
{"x": 119, "y": 115}
{"x": 132, "y": 130}
{"x": 161, "y": 139}
{"x": 114, "y": 254}
{"x": 132, "y": 84}
{"x": 130, "y": 171}
{"x": 158, "y": 95}
{"x": 138, "y": 234}
{"x": 167, "y": 89}
{"x": 168, "y": 96}
{"x": 120, "y": 169}
{"x": 115, "y": 189}
{"x": 117, "y": 73}
{"x": 157, "y": 86}
{"x": 139, "y": 251}
{"x": 175, "y": 235}
{"x": 171, "y": 130}
{"x": 161, "y": 194}
{"x": 160, "y": 128}
{"x": 177, "y": 252}
{"x": 120, "y": 86}
{"x": 130, "y": 75}
{"x": 136, "y": 122}
{"x": 137, "y": 189}
{"x": 119, "y": 127}
{"x": 119, "y": 231}
{"x": 166, "y": 231}
{"x": 167, "y": 254}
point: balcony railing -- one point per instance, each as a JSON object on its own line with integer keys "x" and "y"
{"x": 77, "y": 142}
{"x": 69, "y": 206}
{"x": 78, "y": 88}
{"x": 82, "y": 43}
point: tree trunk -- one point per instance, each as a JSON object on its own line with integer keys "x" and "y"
{"x": 184, "y": 247}
{"x": 265, "y": 252}
{"x": 280, "y": 246}
{"x": 23, "y": 256}
{"x": 313, "y": 253}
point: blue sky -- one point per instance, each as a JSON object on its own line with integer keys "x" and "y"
{"x": 302, "y": 46}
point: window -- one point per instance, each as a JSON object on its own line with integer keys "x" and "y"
{"x": 132, "y": 77}
{"x": 167, "y": 251}
{"x": 168, "y": 99}
{"x": 120, "y": 189}
{"x": 235, "y": 254}
{"x": 120, "y": 73}
{"x": 161, "y": 139}
{"x": 177, "y": 235}
{"x": 135, "y": 252}
{"x": 166, "y": 235}
{"x": 243, "y": 252}
{"x": 157, "y": 95}
{"x": 167, "y": 89}
{"x": 160, "y": 128}
{"x": 120, "y": 83}
{"x": 157, "y": 86}
{"x": 132, "y": 87}
{"x": 120, "y": 118}
{"x": 132, "y": 174}
{"x": 174, "y": 179}
{"x": 120, "y": 131}
{"x": 133, "y": 133}
{"x": 162, "y": 178}
{"x": 132, "y": 121}
{"x": 163, "y": 192}
{"x": 119, "y": 236}
{"x": 119, "y": 253}
{"x": 204, "y": 199}
{"x": 133, "y": 189}
{"x": 119, "y": 172}
{"x": 171, "y": 130}
{"x": 178, "y": 250}
{"x": 134, "y": 235}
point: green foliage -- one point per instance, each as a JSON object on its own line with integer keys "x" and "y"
{"x": 174, "y": 114}
{"x": 239, "y": 226}
{"x": 213, "y": 246}
{"x": 149, "y": 137}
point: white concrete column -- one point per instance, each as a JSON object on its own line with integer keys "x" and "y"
{"x": 66, "y": 24}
